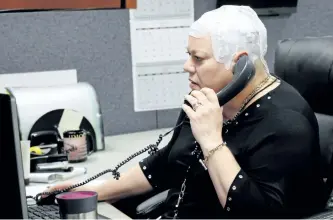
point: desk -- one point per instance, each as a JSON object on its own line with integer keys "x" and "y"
{"x": 117, "y": 148}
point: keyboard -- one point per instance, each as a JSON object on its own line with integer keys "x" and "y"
{"x": 43, "y": 212}
{"x": 324, "y": 215}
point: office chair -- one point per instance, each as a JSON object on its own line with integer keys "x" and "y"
{"x": 306, "y": 64}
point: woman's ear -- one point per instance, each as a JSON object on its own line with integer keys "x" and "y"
{"x": 236, "y": 58}
{"x": 238, "y": 55}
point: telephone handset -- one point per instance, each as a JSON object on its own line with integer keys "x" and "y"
{"x": 243, "y": 72}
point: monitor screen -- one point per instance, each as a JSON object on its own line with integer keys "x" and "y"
{"x": 12, "y": 180}
{"x": 264, "y": 6}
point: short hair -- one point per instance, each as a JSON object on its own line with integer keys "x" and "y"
{"x": 232, "y": 29}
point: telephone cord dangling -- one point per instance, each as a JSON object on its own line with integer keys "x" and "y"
{"x": 152, "y": 149}
{"x": 196, "y": 152}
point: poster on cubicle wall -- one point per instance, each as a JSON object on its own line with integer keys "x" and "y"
{"x": 40, "y": 5}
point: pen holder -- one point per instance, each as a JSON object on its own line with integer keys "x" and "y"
{"x": 78, "y": 205}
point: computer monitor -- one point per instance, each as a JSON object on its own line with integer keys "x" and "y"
{"x": 13, "y": 195}
{"x": 265, "y": 7}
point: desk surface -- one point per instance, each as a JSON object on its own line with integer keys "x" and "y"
{"x": 117, "y": 149}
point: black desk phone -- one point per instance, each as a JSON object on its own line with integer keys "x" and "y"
{"x": 244, "y": 71}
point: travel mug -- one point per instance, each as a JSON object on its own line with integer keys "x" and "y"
{"x": 78, "y": 205}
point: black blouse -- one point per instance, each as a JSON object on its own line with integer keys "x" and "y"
{"x": 275, "y": 141}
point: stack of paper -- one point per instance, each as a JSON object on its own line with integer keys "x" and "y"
{"x": 56, "y": 176}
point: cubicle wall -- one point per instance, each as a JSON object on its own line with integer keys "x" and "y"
{"x": 97, "y": 44}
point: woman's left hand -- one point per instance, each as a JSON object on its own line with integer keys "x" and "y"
{"x": 205, "y": 117}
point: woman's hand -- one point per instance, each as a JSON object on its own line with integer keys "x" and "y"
{"x": 60, "y": 186}
{"x": 205, "y": 117}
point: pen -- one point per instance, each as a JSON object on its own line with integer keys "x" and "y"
{"x": 49, "y": 170}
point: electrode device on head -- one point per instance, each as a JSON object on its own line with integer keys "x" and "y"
{"x": 232, "y": 29}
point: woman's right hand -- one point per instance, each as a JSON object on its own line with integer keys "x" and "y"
{"x": 65, "y": 185}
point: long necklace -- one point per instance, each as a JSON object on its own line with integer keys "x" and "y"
{"x": 196, "y": 152}
{"x": 257, "y": 90}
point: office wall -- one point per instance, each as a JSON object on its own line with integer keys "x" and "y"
{"x": 97, "y": 44}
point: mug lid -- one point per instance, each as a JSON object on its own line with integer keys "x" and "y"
{"x": 77, "y": 202}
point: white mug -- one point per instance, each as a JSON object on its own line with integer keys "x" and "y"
{"x": 25, "y": 149}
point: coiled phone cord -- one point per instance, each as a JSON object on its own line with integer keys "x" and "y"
{"x": 152, "y": 149}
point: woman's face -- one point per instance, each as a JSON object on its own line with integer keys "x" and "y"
{"x": 203, "y": 69}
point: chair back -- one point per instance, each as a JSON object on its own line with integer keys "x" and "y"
{"x": 306, "y": 64}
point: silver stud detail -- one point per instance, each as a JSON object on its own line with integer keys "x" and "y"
{"x": 234, "y": 188}
{"x": 226, "y": 131}
{"x": 240, "y": 176}
{"x": 144, "y": 167}
{"x": 246, "y": 114}
{"x": 236, "y": 122}
{"x": 229, "y": 198}
{"x": 269, "y": 97}
{"x": 258, "y": 105}
{"x": 228, "y": 209}
{"x": 149, "y": 176}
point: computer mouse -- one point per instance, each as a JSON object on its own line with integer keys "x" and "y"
{"x": 46, "y": 200}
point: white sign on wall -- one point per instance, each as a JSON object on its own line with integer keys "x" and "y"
{"x": 159, "y": 32}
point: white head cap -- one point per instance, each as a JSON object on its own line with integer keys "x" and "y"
{"x": 232, "y": 29}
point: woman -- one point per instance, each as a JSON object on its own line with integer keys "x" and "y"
{"x": 258, "y": 156}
